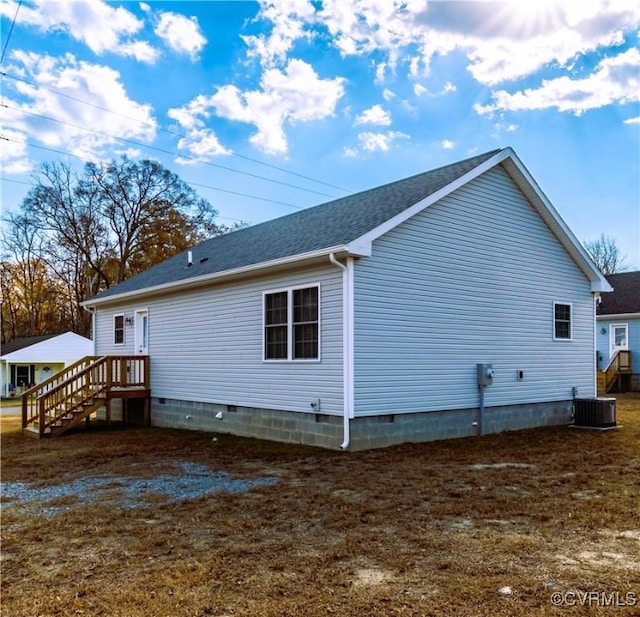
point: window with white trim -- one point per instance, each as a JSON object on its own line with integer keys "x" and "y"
{"x": 292, "y": 324}
{"x": 118, "y": 329}
{"x": 562, "y": 321}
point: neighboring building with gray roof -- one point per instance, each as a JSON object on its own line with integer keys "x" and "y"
{"x": 28, "y": 360}
{"x": 618, "y": 325}
{"x": 360, "y": 322}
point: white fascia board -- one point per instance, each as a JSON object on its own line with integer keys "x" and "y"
{"x": 525, "y": 181}
{"x": 617, "y": 316}
{"x": 197, "y": 281}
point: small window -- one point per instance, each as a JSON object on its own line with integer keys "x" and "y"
{"x": 291, "y": 324}
{"x": 562, "y": 321}
{"x": 118, "y": 329}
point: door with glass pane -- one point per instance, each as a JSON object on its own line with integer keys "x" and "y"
{"x": 619, "y": 337}
{"x": 142, "y": 332}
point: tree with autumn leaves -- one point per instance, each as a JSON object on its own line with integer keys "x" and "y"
{"x": 78, "y": 234}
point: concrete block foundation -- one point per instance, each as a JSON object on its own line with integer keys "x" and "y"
{"x": 369, "y": 432}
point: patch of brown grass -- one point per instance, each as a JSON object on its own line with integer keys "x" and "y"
{"x": 418, "y": 529}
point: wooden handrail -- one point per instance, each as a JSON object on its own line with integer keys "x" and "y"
{"x": 617, "y": 357}
{"x": 91, "y": 378}
{"x": 57, "y": 376}
{"x": 97, "y": 362}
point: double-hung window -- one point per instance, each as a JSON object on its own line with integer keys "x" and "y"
{"x": 118, "y": 329}
{"x": 292, "y": 324}
{"x": 562, "y": 318}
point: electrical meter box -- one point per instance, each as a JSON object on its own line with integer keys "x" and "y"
{"x": 485, "y": 374}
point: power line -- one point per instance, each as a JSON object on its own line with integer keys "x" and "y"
{"x": 162, "y": 150}
{"x": 13, "y": 23}
{"x": 226, "y": 218}
{"x": 169, "y": 131}
{"x": 15, "y": 181}
{"x": 213, "y": 188}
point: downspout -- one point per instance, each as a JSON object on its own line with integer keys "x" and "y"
{"x": 347, "y": 345}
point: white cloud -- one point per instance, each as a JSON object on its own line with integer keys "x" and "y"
{"x": 350, "y": 153}
{"x": 614, "y": 80}
{"x": 363, "y": 26}
{"x": 635, "y": 120}
{"x": 447, "y": 144}
{"x": 419, "y": 90}
{"x": 289, "y": 18}
{"x": 97, "y": 24}
{"x": 295, "y": 94}
{"x": 387, "y": 94}
{"x": 140, "y": 50}
{"x": 181, "y": 33}
{"x": 502, "y": 40}
{"x": 379, "y": 141}
{"x": 203, "y": 144}
{"x": 448, "y": 87}
{"x": 13, "y": 154}
{"x": 200, "y": 141}
{"x": 374, "y": 115}
{"x": 191, "y": 115}
{"x": 79, "y": 81}
{"x": 130, "y": 153}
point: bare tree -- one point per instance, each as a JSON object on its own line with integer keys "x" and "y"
{"x": 29, "y": 293}
{"x": 87, "y": 232}
{"x": 605, "y": 253}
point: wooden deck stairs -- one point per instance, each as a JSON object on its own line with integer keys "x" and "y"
{"x": 71, "y": 396}
{"x": 613, "y": 374}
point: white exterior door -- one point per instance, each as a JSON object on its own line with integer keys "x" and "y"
{"x": 618, "y": 338}
{"x": 142, "y": 332}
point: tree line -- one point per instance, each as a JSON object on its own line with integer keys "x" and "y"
{"x": 77, "y": 234}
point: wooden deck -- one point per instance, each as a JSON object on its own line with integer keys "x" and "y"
{"x": 74, "y": 394}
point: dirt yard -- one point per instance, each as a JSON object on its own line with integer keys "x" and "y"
{"x": 162, "y": 523}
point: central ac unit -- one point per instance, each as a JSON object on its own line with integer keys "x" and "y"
{"x": 595, "y": 412}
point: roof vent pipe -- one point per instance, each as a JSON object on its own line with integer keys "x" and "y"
{"x": 189, "y": 259}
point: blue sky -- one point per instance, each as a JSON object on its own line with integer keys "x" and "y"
{"x": 268, "y": 107}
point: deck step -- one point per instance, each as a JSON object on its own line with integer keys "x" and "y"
{"x": 34, "y": 431}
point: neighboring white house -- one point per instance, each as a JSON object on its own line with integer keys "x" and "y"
{"x": 361, "y": 322}
{"x": 29, "y": 360}
{"x": 618, "y": 325}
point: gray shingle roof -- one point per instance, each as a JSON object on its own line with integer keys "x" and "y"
{"x": 17, "y": 344}
{"x": 334, "y": 223}
{"x": 625, "y": 297}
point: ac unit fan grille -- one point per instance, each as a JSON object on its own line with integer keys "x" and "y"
{"x": 595, "y": 412}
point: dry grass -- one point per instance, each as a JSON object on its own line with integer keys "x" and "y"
{"x": 429, "y": 529}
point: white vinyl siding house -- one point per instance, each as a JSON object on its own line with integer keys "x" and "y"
{"x": 31, "y": 360}
{"x": 428, "y": 309}
{"x": 360, "y": 322}
{"x": 207, "y": 346}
